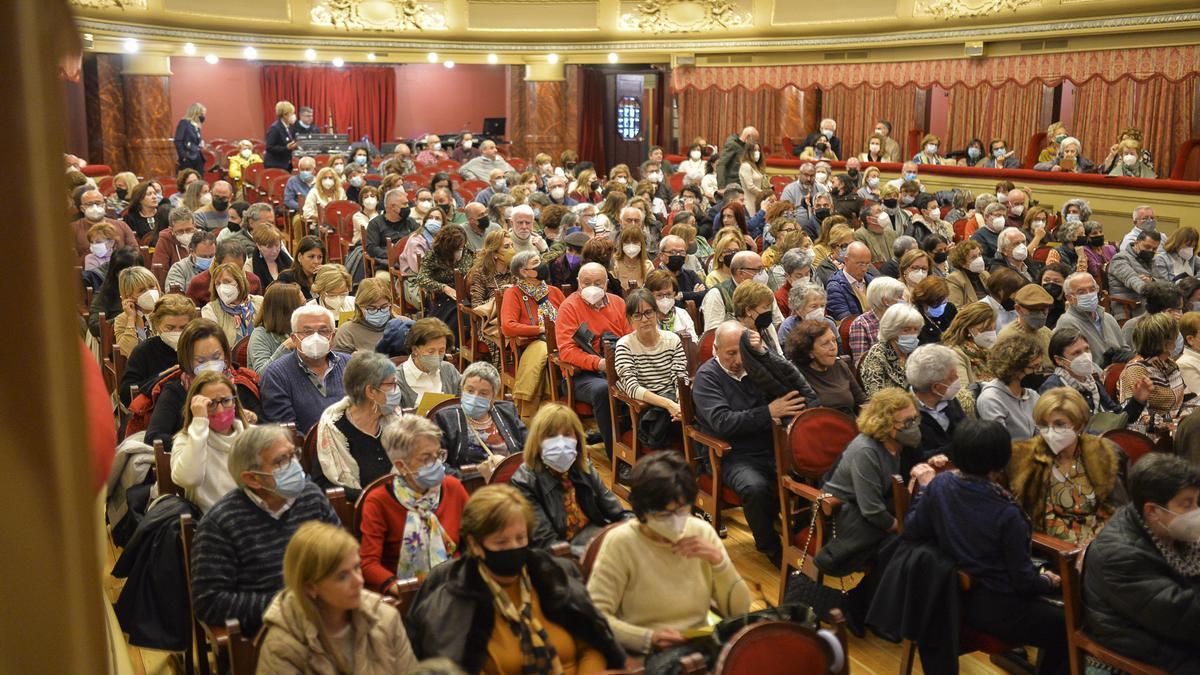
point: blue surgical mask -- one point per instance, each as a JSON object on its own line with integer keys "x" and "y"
{"x": 973, "y": 153}
{"x": 357, "y": 181}
{"x": 432, "y": 226}
{"x": 1178, "y": 345}
{"x": 376, "y": 318}
{"x": 289, "y": 480}
{"x": 306, "y": 176}
{"x": 393, "y": 401}
{"x": 998, "y": 153}
{"x": 938, "y": 310}
{"x": 203, "y": 263}
{"x": 361, "y": 160}
{"x": 1072, "y": 217}
{"x": 1088, "y": 302}
{"x": 475, "y": 406}
{"x": 908, "y": 343}
{"x": 910, "y": 175}
{"x": 430, "y": 475}
{"x": 827, "y": 133}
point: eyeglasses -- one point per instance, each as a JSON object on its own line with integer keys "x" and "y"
{"x": 224, "y": 402}
{"x": 909, "y": 423}
{"x": 439, "y": 457}
{"x": 323, "y": 331}
{"x": 283, "y": 461}
{"x": 646, "y": 315}
{"x": 386, "y": 385}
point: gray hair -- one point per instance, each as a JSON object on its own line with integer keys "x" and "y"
{"x": 523, "y": 210}
{"x": 254, "y": 211}
{"x": 520, "y": 261}
{"x": 928, "y": 365}
{"x": 579, "y": 208}
{"x": 400, "y": 436}
{"x": 393, "y": 192}
{"x": 902, "y": 245}
{"x": 310, "y": 310}
{"x": 983, "y": 200}
{"x": 1085, "y": 209}
{"x": 246, "y": 454}
{"x": 1069, "y": 232}
{"x": 995, "y": 207}
{"x": 1005, "y": 241}
{"x": 365, "y": 369}
{"x": 671, "y": 239}
{"x": 795, "y": 259}
{"x": 897, "y": 318}
{"x": 1075, "y": 276}
{"x": 484, "y": 371}
{"x": 201, "y": 237}
{"x": 569, "y": 219}
{"x": 799, "y": 294}
{"x": 739, "y": 260}
{"x": 884, "y": 291}
{"x": 178, "y": 215}
{"x": 640, "y": 216}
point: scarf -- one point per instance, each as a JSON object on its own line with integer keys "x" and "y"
{"x": 243, "y": 316}
{"x": 978, "y": 359}
{"x": 1183, "y": 557}
{"x": 538, "y": 654}
{"x": 1087, "y": 386}
{"x": 540, "y": 293}
{"x": 424, "y": 544}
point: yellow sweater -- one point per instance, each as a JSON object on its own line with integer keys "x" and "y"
{"x": 640, "y": 585}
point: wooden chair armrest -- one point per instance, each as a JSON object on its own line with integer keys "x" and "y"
{"x": 1053, "y": 546}
{"x": 717, "y": 445}
{"x": 964, "y": 581}
{"x": 561, "y": 549}
{"x": 468, "y": 468}
{"x": 806, "y": 492}
{"x": 635, "y": 405}
{"x": 830, "y": 505}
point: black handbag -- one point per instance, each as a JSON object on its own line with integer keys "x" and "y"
{"x": 656, "y": 429}
{"x": 802, "y": 590}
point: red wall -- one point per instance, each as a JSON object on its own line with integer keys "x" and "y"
{"x": 431, "y": 97}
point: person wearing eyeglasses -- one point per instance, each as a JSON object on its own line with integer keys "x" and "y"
{"x": 211, "y": 423}
{"x": 237, "y": 554}
{"x": 648, "y": 363}
{"x": 298, "y": 388}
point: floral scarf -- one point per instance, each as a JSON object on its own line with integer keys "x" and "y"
{"x": 540, "y": 293}
{"x": 424, "y": 544}
{"x": 537, "y": 653}
{"x": 978, "y": 359}
{"x": 243, "y": 316}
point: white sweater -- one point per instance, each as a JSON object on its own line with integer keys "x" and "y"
{"x": 199, "y": 462}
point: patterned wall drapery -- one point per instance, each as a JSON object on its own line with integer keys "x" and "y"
{"x": 856, "y": 110}
{"x": 1171, "y": 63}
{"x": 714, "y": 114}
{"x": 1162, "y": 109}
{"x": 1010, "y": 111}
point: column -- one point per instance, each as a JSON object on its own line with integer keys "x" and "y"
{"x": 105, "y": 103}
{"x": 544, "y": 112}
{"x": 146, "y": 82}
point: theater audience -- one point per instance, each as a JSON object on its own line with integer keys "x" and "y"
{"x": 232, "y": 308}
{"x": 298, "y": 388}
{"x": 1155, "y": 341}
{"x": 426, "y": 371}
{"x": 864, "y": 330}
{"x": 482, "y": 428}
{"x": 324, "y": 620}
{"x": 932, "y": 373}
{"x": 1085, "y": 315}
{"x": 929, "y": 297}
{"x": 350, "y": 452}
{"x": 968, "y": 281}
{"x": 1004, "y": 399}
{"x": 372, "y": 311}
{"x": 212, "y": 422}
{"x": 812, "y": 346}
{"x": 883, "y": 365}
{"x": 310, "y": 255}
{"x": 237, "y": 555}
{"x": 149, "y": 358}
{"x": 139, "y": 295}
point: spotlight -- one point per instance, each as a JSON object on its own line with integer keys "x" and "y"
{"x": 371, "y": 56}
{"x": 552, "y": 58}
{"x": 613, "y": 58}
{"x": 431, "y": 57}
{"x": 250, "y": 53}
{"x": 492, "y": 58}
{"x": 189, "y": 49}
{"x": 130, "y": 46}
{"x": 310, "y": 54}
{"x": 448, "y": 64}
{"x": 338, "y": 62}
{"x": 211, "y": 59}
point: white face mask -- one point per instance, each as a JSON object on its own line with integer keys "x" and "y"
{"x": 1082, "y": 365}
{"x": 467, "y": 144}
{"x": 669, "y": 527}
{"x": 1018, "y": 209}
{"x": 228, "y": 293}
{"x": 1002, "y": 197}
{"x": 245, "y": 153}
{"x": 631, "y": 250}
{"x": 370, "y": 203}
{"x": 327, "y": 183}
{"x": 592, "y": 294}
{"x": 694, "y": 154}
{"x": 985, "y": 339}
{"x": 665, "y": 305}
{"x": 656, "y": 177}
{"x": 1186, "y": 253}
{"x": 424, "y": 206}
{"x": 996, "y": 223}
{"x": 1057, "y": 439}
{"x": 99, "y": 249}
{"x": 884, "y": 220}
{"x": 873, "y": 182}
{"x": 931, "y": 149}
{"x": 171, "y": 338}
{"x": 146, "y": 301}
{"x": 339, "y": 169}
{"x": 1038, "y": 223}
{"x": 757, "y": 156}
{"x": 94, "y": 212}
{"x": 315, "y": 346}
{"x": 915, "y": 276}
{"x": 1129, "y": 160}
{"x": 206, "y": 198}
{"x": 557, "y": 193}
{"x": 952, "y": 390}
{"x": 1185, "y": 527}
{"x": 821, "y": 177}
{"x": 976, "y": 265}
{"x": 817, "y": 314}
{"x": 1020, "y": 252}
{"x": 874, "y": 148}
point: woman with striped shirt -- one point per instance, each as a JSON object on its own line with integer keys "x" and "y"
{"x": 649, "y": 359}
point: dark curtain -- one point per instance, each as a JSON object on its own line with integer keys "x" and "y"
{"x": 362, "y": 100}
{"x": 593, "y": 111}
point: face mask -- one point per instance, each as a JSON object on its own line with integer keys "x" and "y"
{"x": 147, "y": 300}
{"x": 245, "y": 153}
{"x": 915, "y": 276}
{"x": 1185, "y": 527}
{"x": 214, "y": 366}
{"x": 432, "y": 226}
{"x": 425, "y": 206}
{"x": 315, "y": 346}
{"x": 1020, "y": 252}
{"x": 1186, "y": 253}
{"x": 184, "y": 239}
{"x": 827, "y": 133}
{"x": 327, "y": 183}
{"x": 370, "y": 203}
{"x": 762, "y": 321}
{"x": 675, "y": 262}
{"x": 376, "y": 318}
{"x": 909, "y": 438}
{"x": 99, "y": 249}
{"x": 506, "y": 563}
{"x": 436, "y": 146}
{"x": 206, "y": 199}
{"x": 873, "y": 182}
{"x": 884, "y": 220}
{"x": 817, "y": 314}
{"x": 557, "y": 193}
{"x": 908, "y": 343}
{"x": 930, "y": 149}
{"x": 94, "y": 212}
{"x": 694, "y": 154}
{"x": 1073, "y": 218}
{"x": 907, "y": 200}
{"x": 203, "y": 263}
{"x": 668, "y": 527}
{"x": 221, "y": 421}
{"x": 821, "y": 214}
{"x": 1145, "y": 256}
{"x": 938, "y": 310}
{"x": 874, "y": 148}
{"x": 985, "y": 339}
{"x": 665, "y": 305}
{"x": 1096, "y": 241}
{"x": 631, "y": 250}
{"x": 339, "y": 169}
{"x": 952, "y": 390}
{"x": 757, "y": 156}
{"x": 891, "y": 203}
{"x": 761, "y": 277}
{"x": 306, "y": 176}
{"x": 622, "y": 180}
{"x": 998, "y": 153}
{"x": 1178, "y": 346}
{"x": 1082, "y": 365}
{"x": 1129, "y": 160}
{"x": 1057, "y": 439}
{"x": 574, "y": 258}
{"x": 657, "y": 176}
{"x": 996, "y": 224}
{"x": 357, "y": 181}
{"x": 361, "y": 160}
{"x": 430, "y": 475}
{"x": 1018, "y": 209}
{"x": 289, "y": 480}
{"x": 1002, "y": 197}
{"x": 821, "y": 176}
{"x": 171, "y": 338}
{"x": 940, "y": 258}
{"x": 500, "y": 183}
{"x": 910, "y": 176}
{"x": 558, "y": 452}
{"x": 429, "y": 362}
{"x": 1087, "y": 302}
{"x": 592, "y": 294}
{"x": 228, "y": 293}
{"x": 1055, "y": 290}
{"x": 976, "y": 265}
{"x": 475, "y": 406}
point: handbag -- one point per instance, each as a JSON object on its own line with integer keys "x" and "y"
{"x": 801, "y": 589}
{"x": 656, "y": 429}
{"x": 486, "y": 310}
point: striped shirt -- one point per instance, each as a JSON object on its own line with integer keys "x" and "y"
{"x": 641, "y": 369}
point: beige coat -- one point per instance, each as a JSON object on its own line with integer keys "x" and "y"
{"x": 213, "y": 312}
{"x": 291, "y": 645}
{"x": 962, "y": 293}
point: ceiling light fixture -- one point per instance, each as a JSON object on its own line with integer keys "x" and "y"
{"x": 189, "y": 49}
{"x": 211, "y": 59}
{"x": 370, "y": 56}
{"x": 310, "y": 54}
{"x": 613, "y": 58}
{"x": 552, "y": 57}
{"x": 338, "y": 62}
{"x": 448, "y": 64}
{"x": 492, "y": 58}
{"x": 250, "y": 53}
{"x": 130, "y": 46}
{"x": 431, "y": 57}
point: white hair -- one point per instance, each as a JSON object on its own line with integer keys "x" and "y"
{"x": 884, "y": 291}
{"x": 522, "y": 210}
{"x": 640, "y": 216}
{"x": 311, "y": 310}
{"x": 1005, "y": 240}
{"x": 897, "y": 318}
{"x": 1075, "y": 276}
{"x": 1141, "y": 208}
{"x": 829, "y": 120}
{"x": 400, "y": 435}
{"x": 928, "y": 365}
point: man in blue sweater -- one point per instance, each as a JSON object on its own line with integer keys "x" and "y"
{"x": 298, "y": 387}
{"x": 733, "y": 409}
{"x": 237, "y": 556}
{"x": 299, "y": 185}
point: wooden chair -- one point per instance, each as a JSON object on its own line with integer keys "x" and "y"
{"x": 197, "y": 653}
{"x": 781, "y": 648}
{"x": 627, "y": 448}
{"x": 510, "y": 351}
{"x": 342, "y": 506}
{"x": 844, "y": 333}
{"x": 470, "y": 324}
{"x": 712, "y": 496}
{"x": 107, "y": 346}
{"x": 1134, "y": 444}
{"x": 242, "y": 652}
{"x": 1112, "y": 378}
{"x": 240, "y": 351}
{"x": 505, "y": 469}
{"x": 705, "y": 350}
{"x": 356, "y": 515}
{"x": 308, "y": 451}
{"x": 339, "y": 217}
{"x": 816, "y": 439}
{"x": 561, "y": 371}
{"x": 162, "y": 471}
{"x": 593, "y": 549}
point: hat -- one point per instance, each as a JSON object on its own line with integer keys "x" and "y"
{"x": 1033, "y": 295}
{"x": 576, "y": 239}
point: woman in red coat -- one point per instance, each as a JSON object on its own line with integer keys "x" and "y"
{"x": 523, "y": 312}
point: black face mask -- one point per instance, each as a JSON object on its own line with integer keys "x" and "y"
{"x": 940, "y": 258}
{"x": 220, "y": 203}
{"x": 821, "y": 147}
{"x": 404, "y": 211}
{"x": 506, "y": 563}
{"x": 853, "y": 173}
{"x": 727, "y": 259}
{"x": 444, "y": 208}
{"x": 543, "y": 272}
{"x": 675, "y": 262}
{"x": 1055, "y": 290}
{"x": 821, "y": 214}
{"x": 762, "y": 321}
{"x": 200, "y": 119}
{"x": 1008, "y": 304}
{"x": 1146, "y": 256}
{"x": 1081, "y": 241}
{"x": 890, "y": 203}
{"x": 1096, "y": 241}
{"x": 595, "y": 186}
{"x": 121, "y": 192}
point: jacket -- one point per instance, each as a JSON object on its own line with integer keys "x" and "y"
{"x": 187, "y": 146}
{"x": 726, "y": 166}
{"x": 774, "y": 375}
{"x": 454, "y": 595}
{"x": 1135, "y": 603}
{"x": 918, "y": 599}
{"x": 545, "y": 495}
{"x": 962, "y": 291}
{"x": 278, "y": 154}
{"x": 1164, "y": 263}
{"x": 934, "y": 439}
{"x": 456, "y": 437}
{"x": 1125, "y": 273}
{"x": 1029, "y": 474}
{"x": 841, "y": 301}
{"x": 1100, "y": 340}
{"x": 291, "y": 643}
{"x": 153, "y": 607}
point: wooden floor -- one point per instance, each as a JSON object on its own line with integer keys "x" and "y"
{"x": 869, "y": 656}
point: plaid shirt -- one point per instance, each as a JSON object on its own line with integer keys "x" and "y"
{"x": 864, "y": 331}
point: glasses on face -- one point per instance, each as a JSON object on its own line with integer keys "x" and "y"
{"x": 282, "y": 461}
{"x": 685, "y": 510}
{"x": 646, "y": 315}
{"x": 387, "y": 385}
{"x": 421, "y": 463}
{"x": 223, "y": 402}
{"x": 752, "y": 270}
{"x": 323, "y": 331}
{"x": 909, "y": 423}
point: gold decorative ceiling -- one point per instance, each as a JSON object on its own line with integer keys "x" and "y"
{"x": 516, "y": 31}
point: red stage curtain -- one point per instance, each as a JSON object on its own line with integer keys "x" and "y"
{"x": 1010, "y": 111}
{"x": 714, "y": 114}
{"x": 1159, "y": 107}
{"x": 360, "y": 98}
{"x": 591, "y": 119}
{"x": 857, "y": 109}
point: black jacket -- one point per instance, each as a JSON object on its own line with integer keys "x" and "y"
{"x": 278, "y": 154}
{"x": 1135, "y": 603}
{"x": 153, "y": 607}
{"x": 774, "y": 375}
{"x": 934, "y": 441}
{"x": 380, "y": 229}
{"x": 456, "y": 436}
{"x": 146, "y": 363}
{"x": 917, "y": 599}
{"x": 687, "y": 280}
{"x": 187, "y": 147}
{"x": 453, "y": 616}
{"x": 259, "y": 264}
{"x": 545, "y": 494}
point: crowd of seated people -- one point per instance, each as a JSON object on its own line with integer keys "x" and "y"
{"x": 460, "y": 336}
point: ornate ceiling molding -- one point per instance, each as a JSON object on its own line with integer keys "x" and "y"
{"x": 969, "y": 9}
{"x": 684, "y": 16}
{"x": 882, "y": 39}
{"x": 376, "y": 15}
{"x": 110, "y": 4}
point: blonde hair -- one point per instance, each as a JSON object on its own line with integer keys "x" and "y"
{"x": 490, "y": 509}
{"x": 971, "y": 316}
{"x": 284, "y": 108}
{"x": 193, "y": 113}
{"x": 328, "y": 172}
{"x": 724, "y": 238}
{"x": 329, "y": 276}
{"x": 266, "y": 235}
{"x": 1065, "y": 400}
{"x": 878, "y": 416}
{"x": 750, "y": 294}
{"x": 315, "y": 551}
{"x": 172, "y": 304}
{"x": 554, "y": 419}
{"x": 239, "y": 278}
{"x": 102, "y": 229}
{"x": 128, "y": 179}
{"x": 135, "y": 280}
{"x": 370, "y": 291}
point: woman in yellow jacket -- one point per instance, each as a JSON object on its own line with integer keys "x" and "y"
{"x": 237, "y": 164}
